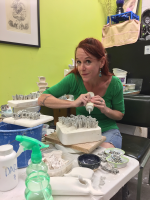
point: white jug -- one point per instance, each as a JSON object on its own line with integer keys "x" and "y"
{"x": 8, "y": 168}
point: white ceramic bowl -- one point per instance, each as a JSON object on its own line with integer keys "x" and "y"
{"x": 63, "y": 169}
{"x": 114, "y": 149}
{"x": 118, "y": 165}
{"x": 71, "y": 66}
{"x": 130, "y": 86}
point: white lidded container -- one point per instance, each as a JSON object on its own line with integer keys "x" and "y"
{"x": 121, "y": 74}
{"x": 8, "y": 168}
{"x": 90, "y": 106}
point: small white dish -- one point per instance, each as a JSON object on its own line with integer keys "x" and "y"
{"x": 42, "y": 79}
{"x": 108, "y": 151}
{"x": 118, "y": 165}
{"x": 42, "y": 84}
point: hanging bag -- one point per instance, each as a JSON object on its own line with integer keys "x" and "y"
{"x": 121, "y": 34}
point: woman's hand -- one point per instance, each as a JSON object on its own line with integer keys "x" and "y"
{"x": 99, "y": 103}
{"x": 82, "y": 100}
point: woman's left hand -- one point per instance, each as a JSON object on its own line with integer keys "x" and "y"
{"x": 99, "y": 103}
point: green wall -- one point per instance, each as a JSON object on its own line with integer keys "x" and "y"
{"x": 140, "y": 8}
{"x": 63, "y": 24}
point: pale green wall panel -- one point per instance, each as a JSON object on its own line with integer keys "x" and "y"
{"x": 63, "y": 24}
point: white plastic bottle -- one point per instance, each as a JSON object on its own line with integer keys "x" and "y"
{"x": 90, "y": 106}
{"x": 8, "y": 168}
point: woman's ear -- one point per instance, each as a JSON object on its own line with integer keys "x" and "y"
{"x": 102, "y": 61}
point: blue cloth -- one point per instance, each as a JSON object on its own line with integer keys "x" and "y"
{"x": 114, "y": 137}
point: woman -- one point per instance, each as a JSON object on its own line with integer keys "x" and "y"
{"x": 91, "y": 74}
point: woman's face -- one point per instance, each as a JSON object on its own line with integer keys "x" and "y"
{"x": 88, "y": 65}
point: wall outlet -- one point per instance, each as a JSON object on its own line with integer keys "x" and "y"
{"x": 147, "y": 50}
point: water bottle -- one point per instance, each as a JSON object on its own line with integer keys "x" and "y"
{"x": 37, "y": 181}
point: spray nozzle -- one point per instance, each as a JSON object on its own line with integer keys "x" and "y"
{"x": 32, "y": 144}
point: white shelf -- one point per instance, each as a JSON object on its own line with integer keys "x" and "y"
{"x": 23, "y": 103}
{"x": 29, "y": 122}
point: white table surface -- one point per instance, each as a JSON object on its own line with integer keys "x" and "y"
{"x": 113, "y": 183}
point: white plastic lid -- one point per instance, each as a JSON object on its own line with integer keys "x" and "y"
{"x": 130, "y": 84}
{"x": 118, "y": 70}
{"x": 91, "y": 93}
{"x": 6, "y": 149}
{"x": 120, "y": 76}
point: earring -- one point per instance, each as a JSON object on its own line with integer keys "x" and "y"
{"x": 100, "y": 74}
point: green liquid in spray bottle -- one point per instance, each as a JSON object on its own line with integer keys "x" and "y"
{"x": 37, "y": 181}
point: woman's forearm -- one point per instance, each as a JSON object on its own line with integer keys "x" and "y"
{"x": 113, "y": 114}
{"x": 50, "y": 101}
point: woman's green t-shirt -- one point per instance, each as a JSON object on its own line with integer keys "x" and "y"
{"x": 72, "y": 84}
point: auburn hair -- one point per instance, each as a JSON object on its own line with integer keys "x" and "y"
{"x": 95, "y": 48}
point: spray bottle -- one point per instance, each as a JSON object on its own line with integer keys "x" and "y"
{"x": 90, "y": 106}
{"x": 37, "y": 181}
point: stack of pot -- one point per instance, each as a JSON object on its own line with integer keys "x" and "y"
{"x": 42, "y": 84}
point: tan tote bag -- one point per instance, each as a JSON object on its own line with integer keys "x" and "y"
{"x": 120, "y": 34}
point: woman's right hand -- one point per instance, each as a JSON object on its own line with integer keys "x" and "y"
{"x": 82, "y": 100}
